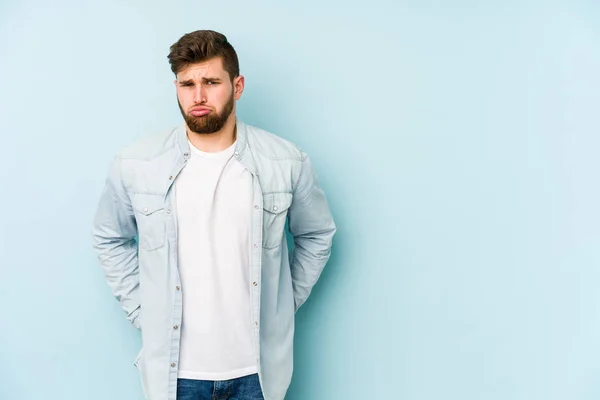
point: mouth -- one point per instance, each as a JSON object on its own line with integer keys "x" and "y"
{"x": 199, "y": 111}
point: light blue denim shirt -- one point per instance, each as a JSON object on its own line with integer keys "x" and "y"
{"x": 135, "y": 238}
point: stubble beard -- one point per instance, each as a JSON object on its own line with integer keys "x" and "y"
{"x": 209, "y": 123}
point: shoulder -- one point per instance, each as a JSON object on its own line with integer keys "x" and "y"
{"x": 150, "y": 146}
{"x": 272, "y": 146}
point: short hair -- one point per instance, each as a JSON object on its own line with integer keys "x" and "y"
{"x": 202, "y": 45}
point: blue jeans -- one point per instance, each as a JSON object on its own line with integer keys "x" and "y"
{"x": 244, "y": 388}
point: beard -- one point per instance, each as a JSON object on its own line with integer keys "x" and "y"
{"x": 209, "y": 123}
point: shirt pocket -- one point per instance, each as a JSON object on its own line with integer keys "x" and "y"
{"x": 150, "y": 218}
{"x": 275, "y": 207}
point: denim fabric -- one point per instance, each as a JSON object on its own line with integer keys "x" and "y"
{"x": 244, "y": 388}
{"x": 135, "y": 239}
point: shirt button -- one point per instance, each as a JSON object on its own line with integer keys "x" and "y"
{"x": 256, "y": 207}
{"x": 176, "y": 327}
{"x": 186, "y": 154}
{"x": 255, "y": 245}
{"x": 256, "y": 323}
{"x": 171, "y": 178}
{"x": 236, "y": 153}
{"x": 275, "y": 208}
{"x": 255, "y": 284}
{"x": 173, "y": 365}
{"x": 145, "y": 210}
{"x": 177, "y": 287}
{"x": 168, "y": 211}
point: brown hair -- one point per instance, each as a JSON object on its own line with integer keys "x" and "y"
{"x": 200, "y": 46}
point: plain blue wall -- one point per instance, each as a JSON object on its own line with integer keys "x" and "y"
{"x": 457, "y": 141}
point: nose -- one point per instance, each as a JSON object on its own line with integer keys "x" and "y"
{"x": 199, "y": 94}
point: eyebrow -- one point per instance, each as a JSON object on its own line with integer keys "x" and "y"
{"x": 205, "y": 79}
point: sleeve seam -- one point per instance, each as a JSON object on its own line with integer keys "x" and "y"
{"x": 300, "y": 174}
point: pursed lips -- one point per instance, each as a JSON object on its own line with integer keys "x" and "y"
{"x": 199, "y": 111}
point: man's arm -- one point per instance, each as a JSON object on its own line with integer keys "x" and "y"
{"x": 312, "y": 226}
{"x": 114, "y": 233}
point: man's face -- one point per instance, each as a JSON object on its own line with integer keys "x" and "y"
{"x": 206, "y": 95}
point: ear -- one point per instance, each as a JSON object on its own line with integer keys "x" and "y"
{"x": 238, "y": 87}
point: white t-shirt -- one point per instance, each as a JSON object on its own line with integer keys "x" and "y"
{"x": 214, "y": 211}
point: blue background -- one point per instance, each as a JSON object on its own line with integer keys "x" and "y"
{"x": 457, "y": 142}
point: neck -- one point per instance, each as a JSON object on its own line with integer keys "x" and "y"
{"x": 217, "y": 141}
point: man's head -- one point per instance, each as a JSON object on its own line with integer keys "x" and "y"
{"x": 208, "y": 79}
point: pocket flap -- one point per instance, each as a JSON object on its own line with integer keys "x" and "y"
{"x": 276, "y": 203}
{"x": 147, "y": 203}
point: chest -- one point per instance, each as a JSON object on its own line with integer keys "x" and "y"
{"x": 206, "y": 188}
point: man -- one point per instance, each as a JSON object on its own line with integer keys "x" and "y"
{"x": 190, "y": 232}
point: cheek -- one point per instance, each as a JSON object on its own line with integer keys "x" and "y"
{"x": 222, "y": 97}
{"x": 183, "y": 97}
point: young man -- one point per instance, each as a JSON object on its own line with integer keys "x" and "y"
{"x": 190, "y": 233}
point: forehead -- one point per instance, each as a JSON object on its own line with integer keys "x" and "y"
{"x": 209, "y": 68}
